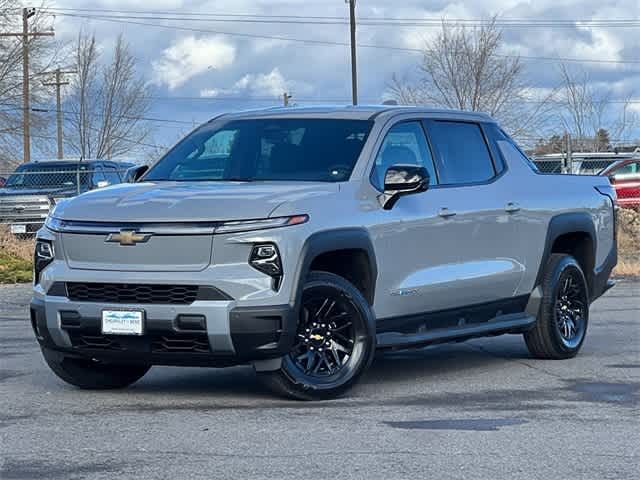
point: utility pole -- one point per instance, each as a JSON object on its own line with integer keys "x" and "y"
{"x": 286, "y": 97}
{"x": 59, "y": 83}
{"x": 569, "y": 154}
{"x": 354, "y": 72}
{"x": 26, "y": 14}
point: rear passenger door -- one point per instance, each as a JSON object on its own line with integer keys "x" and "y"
{"x": 475, "y": 204}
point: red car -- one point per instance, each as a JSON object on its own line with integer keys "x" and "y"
{"x": 625, "y": 177}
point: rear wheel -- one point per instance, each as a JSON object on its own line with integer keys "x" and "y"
{"x": 335, "y": 341}
{"x": 92, "y": 375}
{"x": 562, "y": 321}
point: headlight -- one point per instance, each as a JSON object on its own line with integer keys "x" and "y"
{"x": 266, "y": 259}
{"x": 42, "y": 256}
{"x": 249, "y": 225}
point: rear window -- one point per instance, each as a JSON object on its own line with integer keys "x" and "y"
{"x": 324, "y": 150}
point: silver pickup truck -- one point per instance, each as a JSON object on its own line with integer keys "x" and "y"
{"x": 300, "y": 240}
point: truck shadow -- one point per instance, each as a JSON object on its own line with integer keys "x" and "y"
{"x": 409, "y": 366}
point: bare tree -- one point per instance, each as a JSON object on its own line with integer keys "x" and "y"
{"x": 43, "y": 54}
{"x": 107, "y": 102}
{"x": 586, "y": 110}
{"x": 463, "y": 69}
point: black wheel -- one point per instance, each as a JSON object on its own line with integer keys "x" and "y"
{"x": 335, "y": 341}
{"x": 92, "y": 375}
{"x": 562, "y": 321}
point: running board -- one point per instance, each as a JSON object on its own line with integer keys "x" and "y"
{"x": 505, "y": 324}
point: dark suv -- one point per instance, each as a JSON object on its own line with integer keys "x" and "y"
{"x": 30, "y": 191}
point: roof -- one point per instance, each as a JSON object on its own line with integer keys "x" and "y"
{"x": 75, "y": 161}
{"x": 358, "y": 112}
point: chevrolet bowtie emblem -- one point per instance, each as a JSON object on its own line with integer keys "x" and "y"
{"x": 128, "y": 237}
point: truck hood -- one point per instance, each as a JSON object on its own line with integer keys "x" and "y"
{"x": 187, "y": 201}
{"x": 44, "y": 192}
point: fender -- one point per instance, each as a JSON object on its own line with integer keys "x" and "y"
{"x": 564, "y": 223}
{"x": 328, "y": 241}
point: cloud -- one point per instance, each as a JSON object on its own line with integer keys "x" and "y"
{"x": 272, "y": 84}
{"x": 191, "y": 56}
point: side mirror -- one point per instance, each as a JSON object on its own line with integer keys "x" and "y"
{"x": 134, "y": 174}
{"x": 402, "y": 180}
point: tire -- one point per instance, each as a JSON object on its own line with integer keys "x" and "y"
{"x": 326, "y": 330}
{"x": 561, "y": 326}
{"x": 91, "y": 375}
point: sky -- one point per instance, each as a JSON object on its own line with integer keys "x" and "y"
{"x": 196, "y": 74}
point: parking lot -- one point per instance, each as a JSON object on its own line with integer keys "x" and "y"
{"x": 480, "y": 409}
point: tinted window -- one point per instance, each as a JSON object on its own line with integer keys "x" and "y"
{"x": 628, "y": 169}
{"x": 98, "y": 176}
{"x": 266, "y": 149}
{"x": 37, "y": 175}
{"x": 404, "y": 144}
{"x": 461, "y": 152}
{"x": 111, "y": 175}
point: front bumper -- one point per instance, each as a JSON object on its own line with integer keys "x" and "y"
{"x": 217, "y": 333}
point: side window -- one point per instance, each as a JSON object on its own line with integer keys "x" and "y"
{"x": 461, "y": 152}
{"x": 405, "y": 143}
{"x": 97, "y": 176}
{"x": 111, "y": 175}
{"x": 628, "y": 169}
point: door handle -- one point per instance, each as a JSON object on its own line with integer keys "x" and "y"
{"x": 446, "y": 213}
{"x": 512, "y": 207}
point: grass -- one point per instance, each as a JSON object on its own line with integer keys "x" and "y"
{"x": 628, "y": 244}
{"x": 16, "y": 260}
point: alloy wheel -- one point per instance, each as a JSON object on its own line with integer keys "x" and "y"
{"x": 570, "y": 309}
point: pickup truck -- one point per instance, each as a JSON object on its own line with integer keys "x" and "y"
{"x": 302, "y": 240}
{"x": 29, "y": 192}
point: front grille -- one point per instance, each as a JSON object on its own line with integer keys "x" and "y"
{"x": 94, "y": 342}
{"x": 132, "y": 293}
{"x": 24, "y": 209}
{"x": 198, "y": 343}
{"x": 166, "y": 343}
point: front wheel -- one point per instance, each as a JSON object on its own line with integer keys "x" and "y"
{"x": 562, "y": 321}
{"x": 92, "y": 375}
{"x": 335, "y": 341}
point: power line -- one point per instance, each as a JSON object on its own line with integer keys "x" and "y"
{"x": 335, "y": 43}
{"x": 304, "y": 19}
{"x": 378, "y": 22}
{"x": 343, "y": 99}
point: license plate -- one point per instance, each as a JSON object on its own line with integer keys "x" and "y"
{"x": 18, "y": 229}
{"x": 122, "y": 322}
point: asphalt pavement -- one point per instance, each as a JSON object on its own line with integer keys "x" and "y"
{"x": 480, "y": 409}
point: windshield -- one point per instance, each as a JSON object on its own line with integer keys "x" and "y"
{"x": 47, "y": 176}
{"x": 298, "y": 149}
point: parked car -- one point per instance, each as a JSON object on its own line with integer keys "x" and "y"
{"x": 625, "y": 178}
{"x": 300, "y": 240}
{"x": 29, "y": 193}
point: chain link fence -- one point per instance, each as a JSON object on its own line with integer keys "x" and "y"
{"x": 622, "y": 170}
{"x": 28, "y": 193}
{"x": 578, "y": 166}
